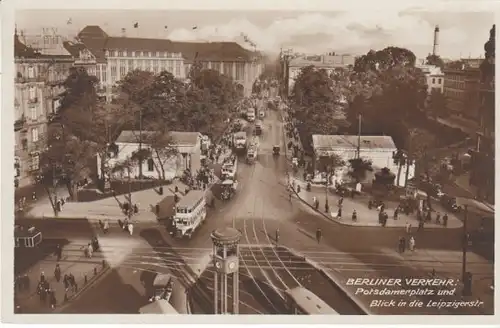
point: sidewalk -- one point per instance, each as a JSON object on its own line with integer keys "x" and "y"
{"x": 388, "y": 263}
{"x": 73, "y": 262}
{"x": 108, "y": 208}
{"x": 365, "y": 216}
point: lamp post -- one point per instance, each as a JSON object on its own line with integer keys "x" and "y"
{"x": 465, "y": 240}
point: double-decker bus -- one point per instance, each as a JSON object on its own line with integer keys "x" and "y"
{"x": 190, "y": 213}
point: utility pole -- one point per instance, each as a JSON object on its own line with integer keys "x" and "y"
{"x": 140, "y": 143}
{"x": 465, "y": 245}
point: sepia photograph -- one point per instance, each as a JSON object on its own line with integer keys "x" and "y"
{"x": 253, "y": 162}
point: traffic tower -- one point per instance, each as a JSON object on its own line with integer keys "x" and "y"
{"x": 226, "y": 263}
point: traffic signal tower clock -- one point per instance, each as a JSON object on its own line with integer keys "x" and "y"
{"x": 226, "y": 266}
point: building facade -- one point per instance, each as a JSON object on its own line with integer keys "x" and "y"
{"x": 113, "y": 58}
{"x": 461, "y": 89}
{"x": 434, "y": 78}
{"x": 330, "y": 62}
{"x": 188, "y": 157}
{"x": 38, "y": 86}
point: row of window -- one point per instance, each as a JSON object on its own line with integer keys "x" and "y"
{"x": 454, "y": 85}
{"x": 434, "y": 80}
{"x": 33, "y": 165}
{"x": 125, "y": 53}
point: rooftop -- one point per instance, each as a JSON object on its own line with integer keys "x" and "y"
{"x": 322, "y": 142}
{"x": 191, "y": 197}
{"x": 179, "y": 138}
{"x": 98, "y": 41}
{"x": 325, "y": 61}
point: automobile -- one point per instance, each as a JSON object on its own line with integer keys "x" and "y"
{"x": 450, "y": 203}
{"x": 276, "y": 150}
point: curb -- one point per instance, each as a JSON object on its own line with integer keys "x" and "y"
{"x": 347, "y": 224}
{"x": 334, "y": 281}
{"x": 100, "y": 275}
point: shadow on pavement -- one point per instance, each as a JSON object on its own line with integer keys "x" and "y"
{"x": 25, "y": 258}
{"x": 181, "y": 270}
{"x": 110, "y": 296}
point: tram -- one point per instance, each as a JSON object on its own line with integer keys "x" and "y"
{"x": 26, "y": 238}
{"x": 300, "y": 300}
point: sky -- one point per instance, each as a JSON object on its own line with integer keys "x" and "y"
{"x": 462, "y": 33}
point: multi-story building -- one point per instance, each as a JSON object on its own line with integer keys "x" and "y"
{"x": 114, "y": 57}
{"x": 329, "y": 62}
{"x": 461, "y": 89}
{"x": 434, "y": 77}
{"x": 37, "y": 90}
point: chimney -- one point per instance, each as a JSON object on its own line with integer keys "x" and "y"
{"x": 435, "y": 47}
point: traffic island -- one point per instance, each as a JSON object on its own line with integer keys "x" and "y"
{"x": 30, "y": 299}
{"x": 365, "y": 217}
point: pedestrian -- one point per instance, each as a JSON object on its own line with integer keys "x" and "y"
{"x": 58, "y": 252}
{"x": 57, "y": 273}
{"x": 136, "y": 209}
{"x": 339, "y": 213}
{"x": 277, "y": 236}
{"x": 66, "y": 282}
{"x": 412, "y": 244}
{"x": 41, "y": 292}
{"x": 318, "y": 235}
{"x": 396, "y": 212}
{"x": 445, "y": 219}
{"x": 370, "y": 204}
{"x": 314, "y": 200}
{"x": 341, "y": 200}
{"x": 90, "y": 250}
{"x": 420, "y": 225}
{"x": 354, "y": 215}
{"x": 402, "y": 244}
{"x": 316, "y": 204}
{"x": 131, "y": 228}
{"x": 42, "y": 277}
{"x": 53, "y": 300}
{"x": 106, "y": 226}
{"x": 438, "y": 218}
{"x": 407, "y": 227}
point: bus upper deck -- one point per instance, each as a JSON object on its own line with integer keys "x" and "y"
{"x": 300, "y": 300}
{"x": 190, "y": 201}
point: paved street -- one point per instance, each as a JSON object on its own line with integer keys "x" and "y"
{"x": 260, "y": 207}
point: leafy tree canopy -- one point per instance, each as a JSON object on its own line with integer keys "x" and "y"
{"x": 384, "y": 59}
{"x": 315, "y": 102}
{"x": 434, "y": 60}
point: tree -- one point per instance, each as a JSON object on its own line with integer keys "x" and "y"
{"x": 390, "y": 97}
{"x": 434, "y": 60}
{"x": 161, "y": 148}
{"x": 315, "y": 103}
{"x": 383, "y": 182}
{"x": 384, "y": 59}
{"x": 66, "y": 159}
{"x": 72, "y": 135}
{"x": 437, "y": 105}
{"x": 359, "y": 168}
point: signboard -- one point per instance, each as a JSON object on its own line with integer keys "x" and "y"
{"x": 411, "y": 190}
